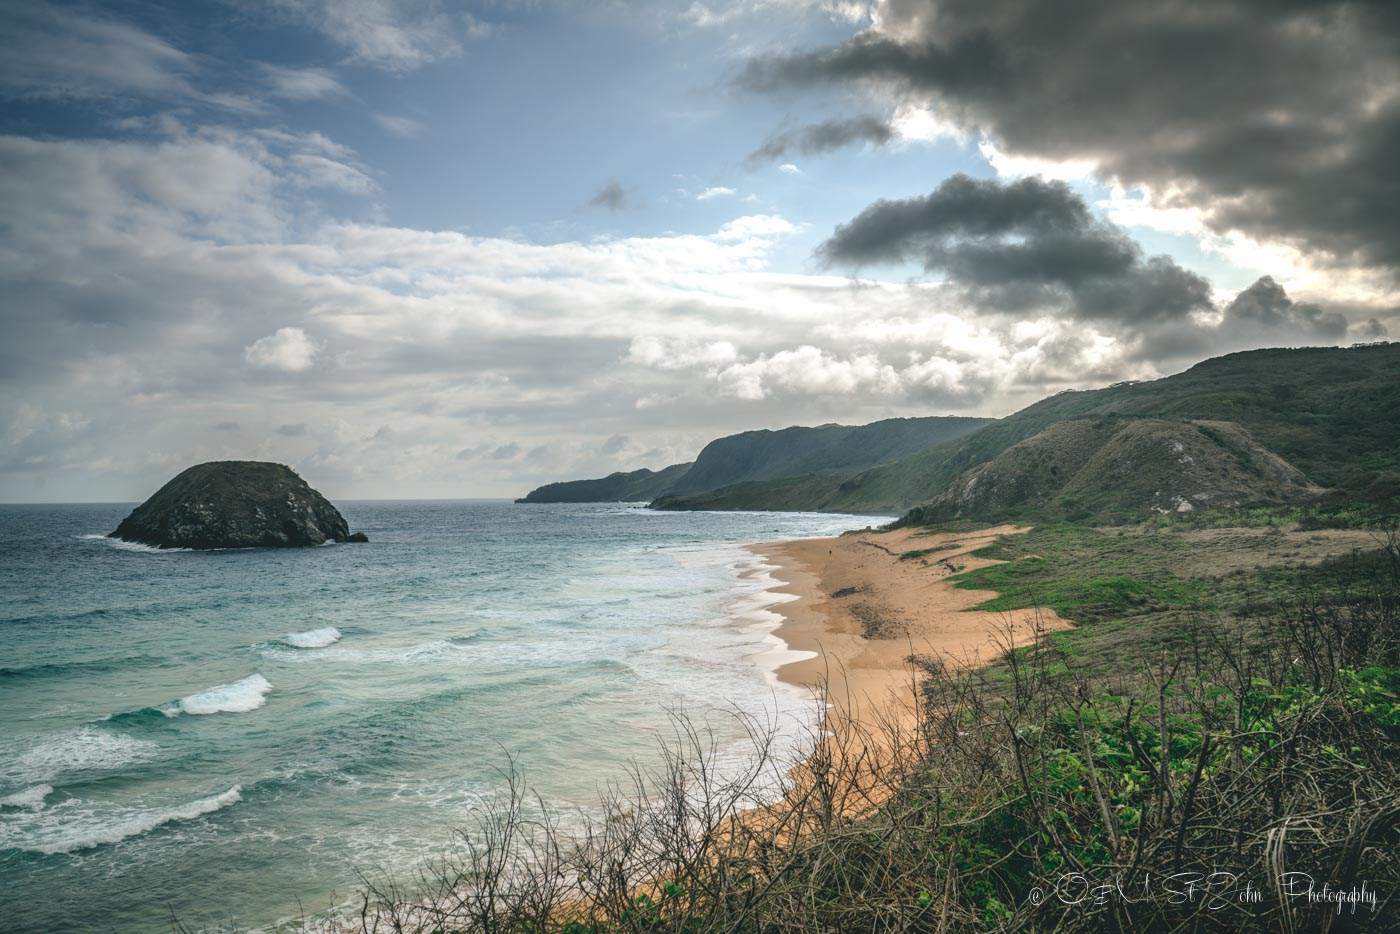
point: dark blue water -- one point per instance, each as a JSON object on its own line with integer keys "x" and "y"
{"x": 229, "y": 734}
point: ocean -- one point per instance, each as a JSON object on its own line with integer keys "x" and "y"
{"x": 234, "y": 735}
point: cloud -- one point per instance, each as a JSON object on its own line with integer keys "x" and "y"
{"x": 472, "y": 453}
{"x": 396, "y": 35}
{"x": 224, "y": 426}
{"x": 1265, "y": 307}
{"x": 301, "y": 84}
{"x": 158, "y": 288}
{"x": 709, "y": 194}
{"x": 668, "y": 353}
{"x": 787, "y": 168}
{"x": 614, "y": 445}
{"x": 400, "y": 126}
{"x": 1276, "y": 121}
{"x": 52, "y": 53}
{"x": 1029, "y": 243}
{"x": 610, "y": 197}
{"x": 720, "y": 13}
{"x": 293, "y": 430}
{"x": 1370, "y": 330}
{"x": 289, "y": 350}
{"x": 823, "y": 137}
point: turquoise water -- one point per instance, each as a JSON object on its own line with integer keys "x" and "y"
{"x": 228, "y": 734}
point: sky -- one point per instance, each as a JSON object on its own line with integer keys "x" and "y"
{"x": 422, "y": 249}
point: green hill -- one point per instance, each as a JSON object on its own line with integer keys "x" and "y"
{"x": 767, "y": 455}
{"x": 1334, "y": 413}
{"x": 1113, "y": 468}
{"x": 637, "y": 486}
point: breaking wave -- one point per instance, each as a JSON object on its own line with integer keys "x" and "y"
{"x": 250, "y": 693}
{"x": 32, "y": 798}
{"x": 313, "y": 638}
{"x": 64, "y": 830}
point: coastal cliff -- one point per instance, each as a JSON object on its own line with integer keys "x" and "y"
{"x": 1329, "y": 412}
{"x": 763, "y": 455}
{"x": 235, "y": 504}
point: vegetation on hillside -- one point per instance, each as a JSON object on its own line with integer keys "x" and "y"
{"x": 637, "y": 486}
{"x": 1111, "y": 468}
{"x": 754, "y": 456}
{"x": 1334, "y": 413}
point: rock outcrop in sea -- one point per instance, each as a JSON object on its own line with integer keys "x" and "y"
{"x": 235, "y": 504}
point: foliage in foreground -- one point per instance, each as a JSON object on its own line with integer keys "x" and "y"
{"x": 1244, "y": 774}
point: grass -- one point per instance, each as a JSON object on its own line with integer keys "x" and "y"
{"x": 1082, "y": 574}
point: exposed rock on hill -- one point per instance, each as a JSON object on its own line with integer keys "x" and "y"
{"x": 1112, "y": 468}
{"x": 234, "y": 504}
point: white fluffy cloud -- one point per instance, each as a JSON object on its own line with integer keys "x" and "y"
{"x": 289, "y": 350}
{"x": 718, "y": 191}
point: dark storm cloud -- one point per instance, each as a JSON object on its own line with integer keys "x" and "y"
{"x": 1371, "y": 330}
{"x": 822, "y": 137}
{"x": 1014, "y": 245}
{"x": 1265, "y": 304}
{"x": 1261, "y": 315}
{"x": 1279, "y": 119}
{"x": 611, "y": 197}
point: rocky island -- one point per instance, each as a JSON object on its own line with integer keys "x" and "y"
{"x": 236, "y": 504}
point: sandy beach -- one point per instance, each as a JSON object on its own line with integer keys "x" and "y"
{"x": 863, "y": 609}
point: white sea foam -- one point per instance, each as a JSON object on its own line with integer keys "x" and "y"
{"x": 438, "y": 652}
{"x": 134, "y": 546}
{"x": 239, "y": 697}
{"x": 313, "y": 638}
{"x": 32, "y": 798}
{"x": 43, "y": 758}
{"x": 81, "y": 827}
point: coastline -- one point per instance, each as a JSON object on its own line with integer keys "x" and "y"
{"x": 860, "y": 606}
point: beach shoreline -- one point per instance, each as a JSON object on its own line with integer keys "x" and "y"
{"x": 862, "y": 604}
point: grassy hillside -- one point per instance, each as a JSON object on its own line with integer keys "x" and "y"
{"x": 1111, "y": 469}
{"x": 766, "y": 455}
{"x": 796, "y": 452}
{"x": 1334, "y": 413}
{"x": 634, "y": 487}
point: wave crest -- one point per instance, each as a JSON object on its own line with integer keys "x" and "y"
{"x": 64, "y": 830}
{"x": 32, "y": 798}
{"x": 241, "y": 696}
{"x": 313, "y": 638}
